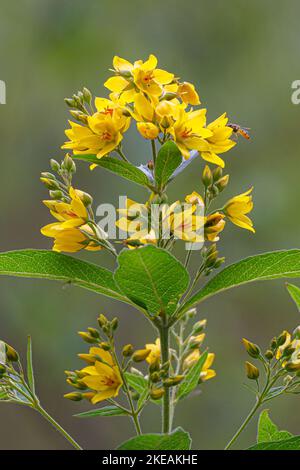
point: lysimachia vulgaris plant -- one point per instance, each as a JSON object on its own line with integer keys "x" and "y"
{"x": 143, "y": 238}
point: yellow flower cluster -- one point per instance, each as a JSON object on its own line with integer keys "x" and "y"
{"x": 161, "y": 105}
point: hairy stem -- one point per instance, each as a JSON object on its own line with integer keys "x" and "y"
{"x": 164, "y": 340}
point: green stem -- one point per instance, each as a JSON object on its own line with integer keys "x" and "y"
{"x": 120, "y": 152}
{"x": 244, "y": 424}
{"x": 153, "y": 151}
{"x": 164, "y": 340}
{"x": 57, "y": 427}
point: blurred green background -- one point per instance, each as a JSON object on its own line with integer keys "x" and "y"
{"x": 243, "y": 57}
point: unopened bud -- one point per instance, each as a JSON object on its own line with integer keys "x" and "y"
{"x": 68, "y": 164}
{"x": 50, "y": 183}
{"x": 87, "y": 95}
{"x": 87, "y": 337}
{"x": 191, "y": 313}
{"x": 173, "y": 381}
{"x": 70, "y": 102}
{"x": 292, "y": 366}
{"x": 155, "y": 365}
{"x": 127, "y": 350}
{"x": 282, "y": 338}
{"x": 114, "y": 323}
{"x": 57, "y": 194}
{"x": 199, "y": 326}
{"x": 217, "y": 173}
{"x": 74, "y": 396}
{"x": 269, "y": 354}
{"x": 273, "y": 344}
{"x": 93, "y": 332}
{"x": 157, "y": 393}
{"x": 140, "y": 355}
{"x": 155, "y": 377}
{"x": 150, "y": 164}
{"x": 252, "y": 372}
{"x": 102, "y": 320}
{"x": 11, "y": 353}
{"x": 251, "y": 348}
{"x": 105, "y": 346}
{"x": 207, "y": 176}
{"x": 55, "y": 166}
{"x": 222, "y": 183}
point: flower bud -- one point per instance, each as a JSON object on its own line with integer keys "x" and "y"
{"x": 173, "y": 381}
{"x": 93, "y": 332}
{"x": 269, "y": 354}
{"x": 199, "y": 326}
{"x": 87, "y": 337}
{"x": 148, "y": 130}
{"x": 102, "y": 320}
{"x": 114, "y": 323}
{"x": 68, "y": 164}
{"x": 155, "y": 377}
{"x": 296, "y": 333}
{"x": 70, "y": 102}
{"x": 11, "y": 353}
{"x": 273, "y": 344}
{"x": 191, "y": 313}
{"x": 50, "y": 183}
{"x": 252, "y": 372}
{"x": 87, "y": 95}
{"x": 217, "y": 173}
{"x": 150, "y": 165}
{"x": 155, "y": 365}
{"x": 57, "y": 194}
{"x": 222, "y": 183}
{"x": 55, "y": 166}
{"x": 251, "y": 348}
{"x": 140, "y": 355}
{"x": 292, "y": 366}
{"x": 207, "y": 177}
{"x": 74, "y": 396}
{"x": 157, "y": 393}
{"x": 127, "y": 350}
{"x": 105, "y": 346}
{"x": 288, "y": 351}
{"x": 282, "y": 338}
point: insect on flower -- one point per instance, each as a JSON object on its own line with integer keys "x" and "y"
{"x": 239, "y": 130}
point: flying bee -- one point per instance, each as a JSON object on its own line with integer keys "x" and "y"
{"x": 238, "y": 130}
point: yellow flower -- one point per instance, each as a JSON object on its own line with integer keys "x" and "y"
{"x": 155, "y": 351}
{"x": 284, "y": 345}
{"x": 143, "y": 76}
{"x": 237, "y": 208}
{"x": 214, "y": 224}
{"x": 189, "y": 131}
{"x": 148, "y": 130}
{"x": 206, "y": 372}
{"x": 103, "y": 378}
{"x": 71, "y": 232}
{"x": 103, "y": 134}
{"x": 186, "y": 222}
{"x": 194, "y": 198}
{"x": 219, "y": 141}
{"x": 188, "y": 94}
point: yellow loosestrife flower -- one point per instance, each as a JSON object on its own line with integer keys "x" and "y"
{"x": 219, "y": 141}
{"x": 189, "y": 131}
{"x": 206, "y": 372}
{"x": 103, "y": 378}
{"x": 237, "y": 208}
{"x": 214, "y": 224}
{"x": 139, "y": 76}
{"x": 71, "y": 232}
{"x": 188, "y": 94}
{"x": 155, "y": 353}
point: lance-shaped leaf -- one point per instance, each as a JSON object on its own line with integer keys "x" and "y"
{"x": 191, "y": 379}
{"x": 168, "y": 159}
{"x": 111, "y": 410}
{"x": 119, "y": 167}
{"x": 152, "y": 278}
{"x": 30, "y": 374}
{"x": 177, "y": 440}
{"x": 294, "y": 292}
{"x": 59, "y": 267}
{"x": 274, "y": 265}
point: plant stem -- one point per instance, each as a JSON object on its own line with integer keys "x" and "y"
{"x": 164, "y": 340}
{"x": 58, "y": 427}
{"x": 244, "y": 424}
{"x": 153, "y": 151}
{"x": 120, "y": 152}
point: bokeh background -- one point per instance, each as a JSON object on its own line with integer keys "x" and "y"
{"x": 243, "y": 57}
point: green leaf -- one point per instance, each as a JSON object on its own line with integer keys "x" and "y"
{"x": 294, "y": 292}
{"x": 274, "y": 265}
{"x": 104, "y": 411}
{"x": 191, "y": 379}
{"x": 177, "y": 440}
{"x": 286, "y": 444}
{"x": 3, "y": 395}
{"x": 119, "y": 167}
{"x": 59, "y": 267}
{"x": 151, "y": 277}
{"x": 30, "y": 375}
{"x": 268, "y": 431}
{"x": 168, "y": 159}
{"x": 137, "y": 382}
